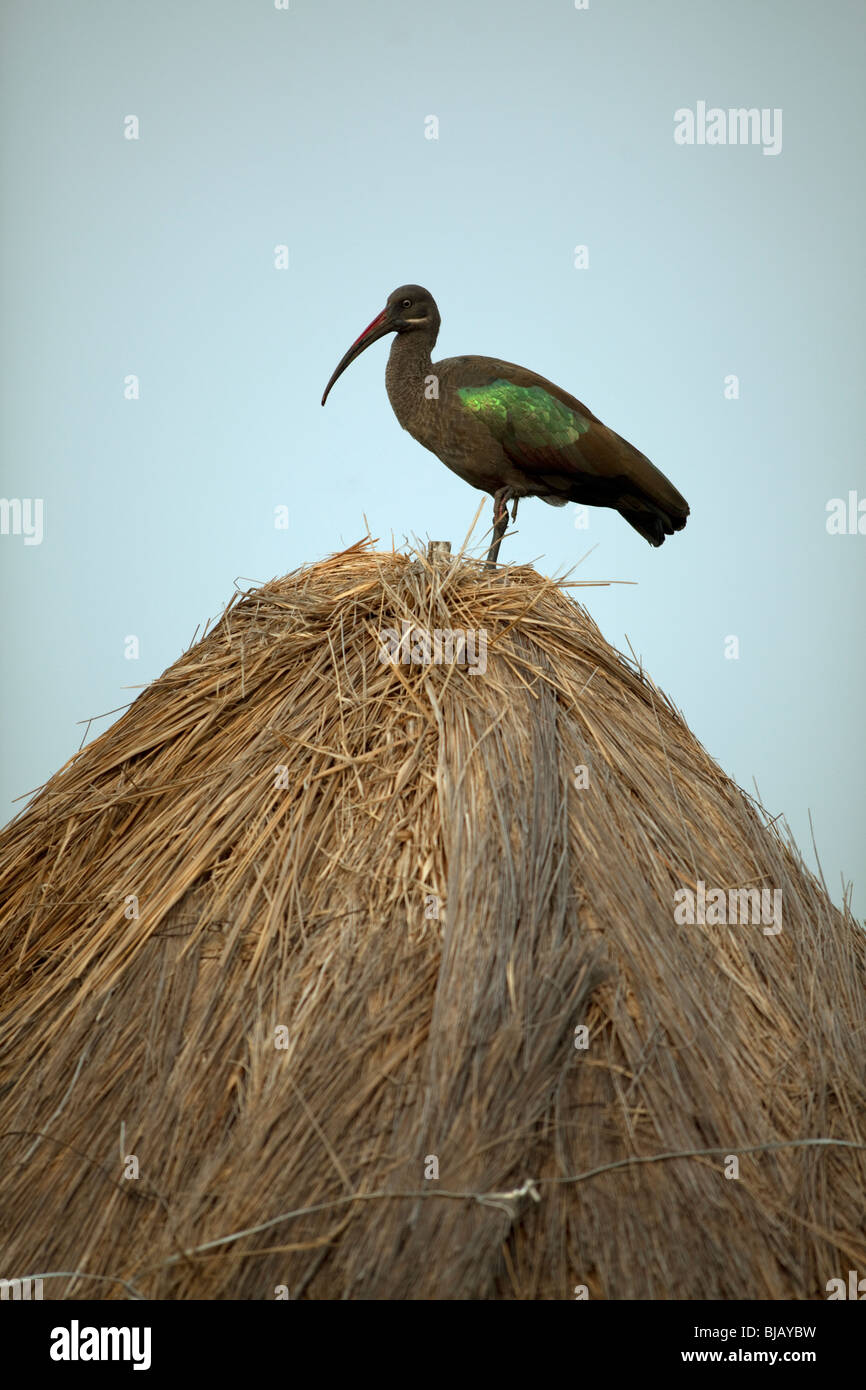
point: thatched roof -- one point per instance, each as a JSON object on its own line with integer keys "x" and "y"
{"x": 307, "y": 900}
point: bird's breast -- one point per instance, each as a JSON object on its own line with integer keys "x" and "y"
{"x": 431, "y": 411}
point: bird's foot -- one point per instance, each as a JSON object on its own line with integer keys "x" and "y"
{"x": 501, "y": 498}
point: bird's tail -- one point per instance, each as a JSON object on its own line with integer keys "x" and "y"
{"x": 649, "y": 501}
{"x": 652, "y": 521}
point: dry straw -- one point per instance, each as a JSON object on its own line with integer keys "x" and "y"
{"x": 415, "y": 789}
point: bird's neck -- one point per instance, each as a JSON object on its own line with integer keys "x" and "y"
{"x": 407, "y": 375}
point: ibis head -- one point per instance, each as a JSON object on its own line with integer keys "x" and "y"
{"x": 409, "y": 309}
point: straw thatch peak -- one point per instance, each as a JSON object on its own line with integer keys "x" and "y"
{"x": 384, "y": 948}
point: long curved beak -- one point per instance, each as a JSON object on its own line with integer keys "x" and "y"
{"x": 377, "y": 329}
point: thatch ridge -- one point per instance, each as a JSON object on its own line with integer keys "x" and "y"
{"x": 413, "y": 789}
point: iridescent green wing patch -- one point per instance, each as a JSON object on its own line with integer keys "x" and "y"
{"x": 527, "y": 414}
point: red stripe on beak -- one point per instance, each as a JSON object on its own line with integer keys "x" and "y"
{"x": 380, "y": 318}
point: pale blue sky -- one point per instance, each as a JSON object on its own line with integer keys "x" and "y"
{"x": 306, "y": 127}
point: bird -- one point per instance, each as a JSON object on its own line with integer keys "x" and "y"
{"x": 509, "y": 432}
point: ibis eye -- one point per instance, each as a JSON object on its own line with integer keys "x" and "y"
{"x": 407, "y": 304}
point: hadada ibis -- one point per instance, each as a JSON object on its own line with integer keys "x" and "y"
{"x": 510, "y": 432}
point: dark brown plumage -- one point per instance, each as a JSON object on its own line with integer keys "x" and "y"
{"x": 509, "y": 431}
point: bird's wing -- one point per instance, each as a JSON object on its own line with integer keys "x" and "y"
{"x": 555, "y": 439}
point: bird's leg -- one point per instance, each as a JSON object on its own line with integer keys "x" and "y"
{"x": 501, "y": 498}
{"x": 514, "y": 511}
